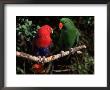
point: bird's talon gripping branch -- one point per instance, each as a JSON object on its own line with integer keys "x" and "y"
{"x": 50, "y": 58}
{"x": 43, "y": 56}
{"x": 62, "y": 53}
{"x": 39, "y": 56}
{"x": 39, "y": 59}
{"x": 43, "y": 59}
{"x": 70, "y": 49}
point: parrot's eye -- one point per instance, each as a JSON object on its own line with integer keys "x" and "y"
{"x": 60, "y": 25}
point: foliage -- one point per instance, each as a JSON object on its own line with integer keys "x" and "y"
{"x": 26, "y": 28}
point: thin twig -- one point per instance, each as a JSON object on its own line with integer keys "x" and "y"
{"x": 49, "y": 67}
{"x": 66, "y": 70}
{"x": 50, "y": 58}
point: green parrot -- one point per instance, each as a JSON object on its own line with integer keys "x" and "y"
{"x": 69, "y": 35}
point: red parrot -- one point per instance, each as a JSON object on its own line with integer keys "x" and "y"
{"x": 41, "y": 44}
{"x": 44, "y": 40}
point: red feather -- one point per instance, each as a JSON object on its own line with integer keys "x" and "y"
{"x": 44, "y": 40}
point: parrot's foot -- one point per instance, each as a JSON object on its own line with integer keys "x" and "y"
{"x": 62, "y": 53}
{"x": 43, "y": 59}
{"x": 70, "y": 49}
{"x": 39, "y": 59}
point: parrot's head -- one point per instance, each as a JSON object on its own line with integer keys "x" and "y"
{"x": 47, "y": 28}
{"x": 63, "y": 21}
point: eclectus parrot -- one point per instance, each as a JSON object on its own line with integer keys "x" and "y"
{"x": 41, "y": 44}
{"x": 69, "y": 35}
{"x": 42, "y": 41}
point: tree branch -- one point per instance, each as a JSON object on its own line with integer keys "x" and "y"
{"x": 44, "y": 59}
{"x": 58, "y": 71}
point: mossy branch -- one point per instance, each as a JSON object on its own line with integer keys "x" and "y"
{"x": 44, "y": 59}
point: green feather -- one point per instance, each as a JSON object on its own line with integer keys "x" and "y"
{"x": 69, "y": 34}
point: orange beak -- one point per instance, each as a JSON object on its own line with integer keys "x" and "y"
{"x": 60, "y": 25}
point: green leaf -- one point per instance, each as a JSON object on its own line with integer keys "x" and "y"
{"x": 18, "y": 48}
{"x": 79, "y": 66}
{"x": 38, "y": 27}
{"x": 17, "y": 28}
{"x": 26, "y": 20}
{"x": 30, "y": 22}
{"x": 34, "y": 32}
{"x": 24, "y": 27}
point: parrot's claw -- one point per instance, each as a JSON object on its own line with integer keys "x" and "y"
{"x": 39, "y": 56}
{"x": 42, "y": 61}
{"x": 39, "y": 59}
{"x": 62, "y": 53}
{"x": 71, "y": 49}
